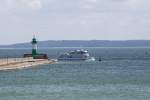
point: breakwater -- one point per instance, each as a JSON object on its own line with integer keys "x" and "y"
{"x": 18, "y": 63}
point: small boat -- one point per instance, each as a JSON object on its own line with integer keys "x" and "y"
{"x": 76, "y": 55}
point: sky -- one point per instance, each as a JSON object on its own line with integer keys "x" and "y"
{"x": 74, "y": 20}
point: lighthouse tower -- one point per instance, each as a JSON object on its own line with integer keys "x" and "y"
{"x": 34, "y": 54}
{"x": 34, "y": 46}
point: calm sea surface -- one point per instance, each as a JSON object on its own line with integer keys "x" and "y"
{"x": 123, "y": 74}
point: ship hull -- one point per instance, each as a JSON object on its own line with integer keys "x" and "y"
{"x": 76, "y": 59}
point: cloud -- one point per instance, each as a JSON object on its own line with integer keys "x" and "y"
{"x": 34, "y": 4}
{"x": 20, "y": 4}
{"x": 67, "y": 19}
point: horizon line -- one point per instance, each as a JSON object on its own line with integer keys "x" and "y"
{"x": 75, "y": 40}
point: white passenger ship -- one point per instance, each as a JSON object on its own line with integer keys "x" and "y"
{"x": 76, "y": 55}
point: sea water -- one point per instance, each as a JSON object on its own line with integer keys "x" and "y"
{"x": 123, "y": 74}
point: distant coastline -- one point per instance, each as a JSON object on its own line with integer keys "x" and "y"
{"x": 82, "y": 43}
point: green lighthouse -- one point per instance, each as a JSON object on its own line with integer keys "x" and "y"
{"x": 34, "y": 46}
{"x": 35, "y": 54}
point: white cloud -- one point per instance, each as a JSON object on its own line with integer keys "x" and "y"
{"x": 20, "y": 4}
{"x": 35, "y": 4}
{"x": 67, "y": 19}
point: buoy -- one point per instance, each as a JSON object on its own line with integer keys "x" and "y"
{"x": 99, "y": 59}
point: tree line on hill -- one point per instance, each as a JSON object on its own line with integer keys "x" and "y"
{"x": 83, "y": 43}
